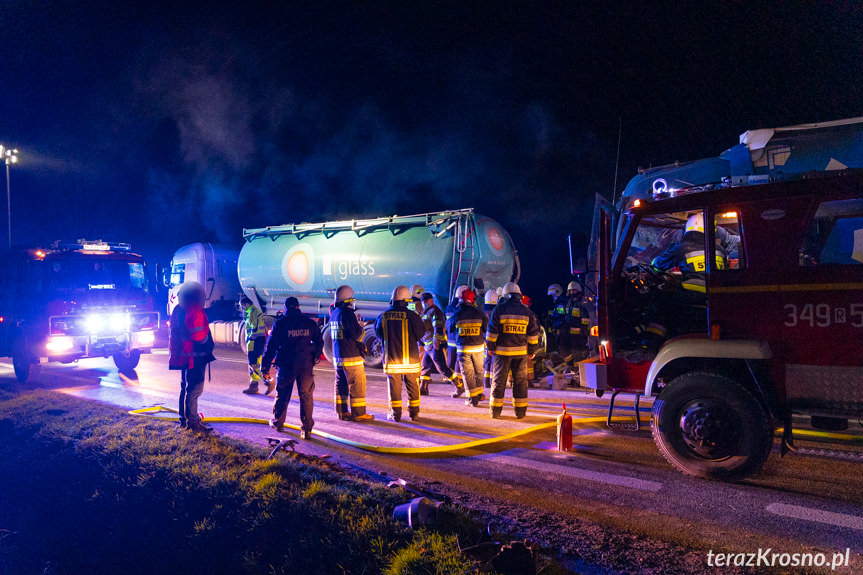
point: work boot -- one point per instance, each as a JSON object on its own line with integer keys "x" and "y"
{"x": 271, "y": 385}
{"x": 252, "y": 389}
{"x": 198, "y": 427}
{"x": 346, "y": 417}
{"x": 306, "y": 435}
{"x": 364, "y": 418}
{"x": 495, "y": 415}
{"x": 459, "y": 391}
{"x": 277, "y": 426}
{"x": 424, "y": 388}
{"x": 394, "y": 417}
{"x": 415, "y": 415}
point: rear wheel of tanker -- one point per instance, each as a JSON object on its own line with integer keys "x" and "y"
{"x": 374, "y": 350}
{"x": 127, "y": 362}
{"x": 710, "y": 426}
{"x": 23, "y": 361}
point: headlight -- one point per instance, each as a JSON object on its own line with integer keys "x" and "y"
{"x": 118, "y": 322}
{"x": 59, "y": 344}
{"x": 147, "y": 338}
{"x": 95, "y": 323}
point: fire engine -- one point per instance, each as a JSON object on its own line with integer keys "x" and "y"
{"x": 774, "y": 327}
{"x": 75, "y": 300}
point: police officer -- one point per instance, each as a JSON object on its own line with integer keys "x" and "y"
{"x": 512, "y": 338}
{"x": 295, "y": 346}
{"x": 490, "y": 302}
{"x": 469, "y": 325}
{"x": 256, "y": 338}
{"x": 576, "y": 326}
{"x": 435, "y": 343}
{"x": 348, "y": 349}
{"x": 451, "y": 352}
{"x": 401, "y": 330}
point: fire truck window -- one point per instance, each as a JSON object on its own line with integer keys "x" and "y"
{"x": 137, "y": 277}
{"x": 653, "y": 235}
{"x": 729, "y": 239}
{"x": 835, "y": 236}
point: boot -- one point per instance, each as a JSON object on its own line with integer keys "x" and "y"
{"x": 306, "y": 435}
{"x": 198, "y": 427}
{"x": 424, "y": 388}
{"x": 459, "y": 391}
{"x": 271, "y": 385}
{"x": 364, "y": 418}
{"x": 252, "y": 389}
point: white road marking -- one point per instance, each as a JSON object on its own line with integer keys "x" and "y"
{"x": 817, "y": 515}
{"x": 608, "y": 478}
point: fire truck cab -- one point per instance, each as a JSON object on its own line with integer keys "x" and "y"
{"x": 75, "y": 300}
{"x": 774, "y": 328}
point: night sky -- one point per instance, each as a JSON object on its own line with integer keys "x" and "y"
{"x": 163, "y": 124}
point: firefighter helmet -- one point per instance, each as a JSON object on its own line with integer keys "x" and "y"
{"x": 491, "y": 297}
{"x": 344, "y": 293}
{"x": 459, "y": 291}
{"x": 555, "y": 291}
{"x": 191, "y": 292}
{"x": 417, "y": 290}
{"x": 510, "y": 288}
{"x": 401, "y": 293}
{"x": 695, "y": 223}
{"x": 468, "y": 295}
{"x": 574, "y": 286}
{"x": 526, "y": 300}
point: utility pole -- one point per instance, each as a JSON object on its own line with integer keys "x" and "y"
{"x": 11, "y": 156}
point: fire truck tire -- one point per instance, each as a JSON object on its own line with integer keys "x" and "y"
{"x": 23, "y": 362}
{"x": 126, "y": 363}
{"x": 374, "y": 350}
{"x": 328, "y": 343}
{"x": 710, "y": 426}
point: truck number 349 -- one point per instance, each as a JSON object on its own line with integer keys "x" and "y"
{"x": 822, "y": 315}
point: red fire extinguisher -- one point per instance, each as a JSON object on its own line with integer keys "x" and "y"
{"x": 564, "y": 431}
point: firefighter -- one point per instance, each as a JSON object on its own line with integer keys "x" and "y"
{"x": 512, "y": 338}
{"x": 469, "y": 324}
{"x": 191, "y": 347}
{"x": 530, "y": 367}
{"x": 295, "y": 346}
{"x": 435, "y": 342}
{"x": 348, "y": 350}
{"x": 256, "y": 339}
{"x": 491, "y": 299}
{"x": 451, "y": 352}
{"x": 576, "y": 325}
{"x": 556, "y": 316}
{"x": 415, "y": 305}
{"x": 401, "y": 330}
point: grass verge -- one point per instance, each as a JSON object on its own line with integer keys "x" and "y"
{"x": 87, "y": 488}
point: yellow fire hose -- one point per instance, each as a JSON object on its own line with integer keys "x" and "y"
{"x": 454, "y": 447}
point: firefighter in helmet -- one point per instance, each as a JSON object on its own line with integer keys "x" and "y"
{"x": 468, "y": 324}
{"x": 490, "y": 301}
{"x": 415, "y": 304}
{"x": 556, "y": 316}
{"x": 295, "y": 346}
{"x": 435, "y": 343}
{"x": 401, "y": 330}
{"x": 512, "y": 338}
{"x": 576, "y": 325}
{"x": 451, "y": 353}
{"x": 256, "y": 339}
{"x": 348, "y": 350}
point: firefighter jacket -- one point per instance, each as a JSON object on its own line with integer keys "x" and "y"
{"x": 435, "y": 327}
{"x": 688, "y": 256}
{"x": 576, "y": 318}
{"x": 448, "y": 313}
{"x": 255, "y": 325}
{"x": 558, "y": 313}
{"x": 513, "y": 329}
{"x": 295, "y": 338}
{"x": 190, "y": 342}
{"x": 401, "y": 331}
{"x": 469, "y": 325}
{"x": 347, "y": 335}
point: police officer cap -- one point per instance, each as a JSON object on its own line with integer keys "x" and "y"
{"x": 427, "y": 295}
{"x": 292, "y": 303}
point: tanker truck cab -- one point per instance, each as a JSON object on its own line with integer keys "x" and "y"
{"x": 214, "y": 267}
{"x": 771, "y": 325}
{"x": 76, "y": 300}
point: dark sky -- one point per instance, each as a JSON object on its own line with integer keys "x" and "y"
{"x": 164, "y": 124}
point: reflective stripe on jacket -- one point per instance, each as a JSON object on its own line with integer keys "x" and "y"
{"x": 255, "y": 325}
{"x": 469, "y": 325}
{"x": 513, "y": 329}
{"x": 400, "y": 329}
{"x": 347, "y": 334}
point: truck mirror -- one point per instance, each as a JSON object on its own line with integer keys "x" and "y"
{"x": 212, "y": 283}
{"x": 165, "y": 273}
{"x": 578, "y": 253}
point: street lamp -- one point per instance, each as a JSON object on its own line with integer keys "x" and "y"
{"x": 11, "y": 156}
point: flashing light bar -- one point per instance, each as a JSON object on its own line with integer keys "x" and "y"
{"x": 91, "y": 246}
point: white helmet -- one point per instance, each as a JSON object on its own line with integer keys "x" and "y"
{"x": 695, "y": 223}
{"x": 574, "y": 286}
{"x": 417, "y": 290}
{"x": 491, "y": 297}
{"x": 510, "y": 288}
{"x": 554, "y": 290}
{"x": 344, "y": 293}
{"x": 459, "y": 291}
{"x": 401, "y": 293}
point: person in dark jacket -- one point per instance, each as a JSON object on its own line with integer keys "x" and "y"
{"x": 191, "y": 347}
{"x": 469, "y": 325}
{"x": 348, "y": 349}
{"x": 490, "y": 301}
{"x": 401, "y": 330}
{"x": 435, "y": 343}
{"x": 512, "y": 338}
{"x": 451, "y": 352}
{"x": 576, "y": 325}
{"x": 295, "y": 346}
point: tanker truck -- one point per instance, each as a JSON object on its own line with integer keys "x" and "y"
{"x": 309, "y": 261}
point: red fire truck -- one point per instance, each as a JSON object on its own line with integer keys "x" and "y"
{"x": 772, "y": 326}
{"x": 75, "y": 300}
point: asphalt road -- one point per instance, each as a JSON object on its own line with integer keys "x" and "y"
{"x": 613, "y": 482}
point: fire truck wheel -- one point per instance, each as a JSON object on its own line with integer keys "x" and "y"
{"x": 126, "y": 363}
{"x": 374, "y": 350}
{"x": 708, "y": 425}
{"x": 23, "y": 361}
{"x": 328, "y": 343}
